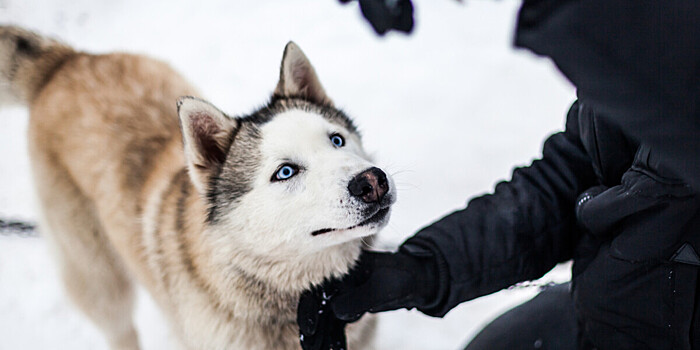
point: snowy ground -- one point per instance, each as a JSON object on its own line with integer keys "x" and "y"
{"x": 449, "y": 111}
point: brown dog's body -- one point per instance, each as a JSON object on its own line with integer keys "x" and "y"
{"x": 119, "y": 206}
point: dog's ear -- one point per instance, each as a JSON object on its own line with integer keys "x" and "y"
{"x": 298, "y": 77}
{"x": 207, "y": 133}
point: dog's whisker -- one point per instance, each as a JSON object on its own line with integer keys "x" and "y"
{"x": 399, "y": 172}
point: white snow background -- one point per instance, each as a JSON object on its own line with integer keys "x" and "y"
{"x": 448, "y": 111}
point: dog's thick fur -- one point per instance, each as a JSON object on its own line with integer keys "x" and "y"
{"x": 187, "y": 207}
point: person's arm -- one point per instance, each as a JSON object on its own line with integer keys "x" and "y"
{"x": 636, "y": 62}
{"x": 517, "y": 233}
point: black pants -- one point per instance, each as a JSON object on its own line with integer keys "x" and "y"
{"x": 545, "y": 322}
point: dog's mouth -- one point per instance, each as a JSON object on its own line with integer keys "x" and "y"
{"x": 377, "y": 217}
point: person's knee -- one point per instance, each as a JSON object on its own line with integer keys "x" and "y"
{"x": 545, "y": 322}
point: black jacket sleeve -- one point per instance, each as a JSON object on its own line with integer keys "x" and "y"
{"x": 517, "y": 233}
{"x": 636, "y": 62}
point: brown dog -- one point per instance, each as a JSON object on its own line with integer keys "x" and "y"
{"x": 225, "y": 221}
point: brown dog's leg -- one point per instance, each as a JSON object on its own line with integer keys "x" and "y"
{"x": 94, "y": 276}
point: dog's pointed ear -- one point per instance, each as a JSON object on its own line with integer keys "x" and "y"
{"x": 298, "y": 77}
{"x": 207, "y": 133}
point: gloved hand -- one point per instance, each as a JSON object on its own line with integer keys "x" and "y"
{"x": 385, "y": 15}
{"x": 380, "y": 282}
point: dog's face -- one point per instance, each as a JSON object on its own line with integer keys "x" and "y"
{"x": 290, "y": 178}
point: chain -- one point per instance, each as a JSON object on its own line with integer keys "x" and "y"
{"x": 532, "y": 284}
{"x": 17, "y": 228}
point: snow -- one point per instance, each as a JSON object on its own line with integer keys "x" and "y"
{"x": 449, "y": 111}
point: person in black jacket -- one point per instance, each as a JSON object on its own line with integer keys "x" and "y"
{"x": 616, "y": 191}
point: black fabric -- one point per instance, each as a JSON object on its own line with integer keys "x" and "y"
{"x": 637, "y": 62}
{"x": 386, "y": 281}
{"x": 621, "y": 237}
{"x": 520, "y": 231}
{"x": 385, "y": 16}
{"x": 617, "y": 191}
{"x": 545, "y": 322}
{"x": 632, "y": 144}
{"x": 319, "y": 329}
{"x": 379, "y": 282}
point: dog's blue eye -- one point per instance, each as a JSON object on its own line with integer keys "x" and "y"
{"x": 285, "y": 172}
{"x": 337, "y": 140}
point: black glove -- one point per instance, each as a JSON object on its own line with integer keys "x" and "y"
{"x": 387, "y": 281}
{"x": 380, "y": 282}
{"x": 385, "y": 15}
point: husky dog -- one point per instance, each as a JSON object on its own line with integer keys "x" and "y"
{"x": 225, "y": 221}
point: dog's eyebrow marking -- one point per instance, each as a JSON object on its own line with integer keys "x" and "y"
{"x": 235, "y": 176}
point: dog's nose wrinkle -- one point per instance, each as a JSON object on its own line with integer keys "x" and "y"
{"x": 370, "y": 185}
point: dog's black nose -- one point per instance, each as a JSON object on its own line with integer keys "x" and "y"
{"x": 370, "y": 185}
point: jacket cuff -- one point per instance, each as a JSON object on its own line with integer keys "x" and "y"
{"x": 437, "y": 306}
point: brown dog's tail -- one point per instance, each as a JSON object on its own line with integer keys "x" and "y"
{"x": 27, "y": 63}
